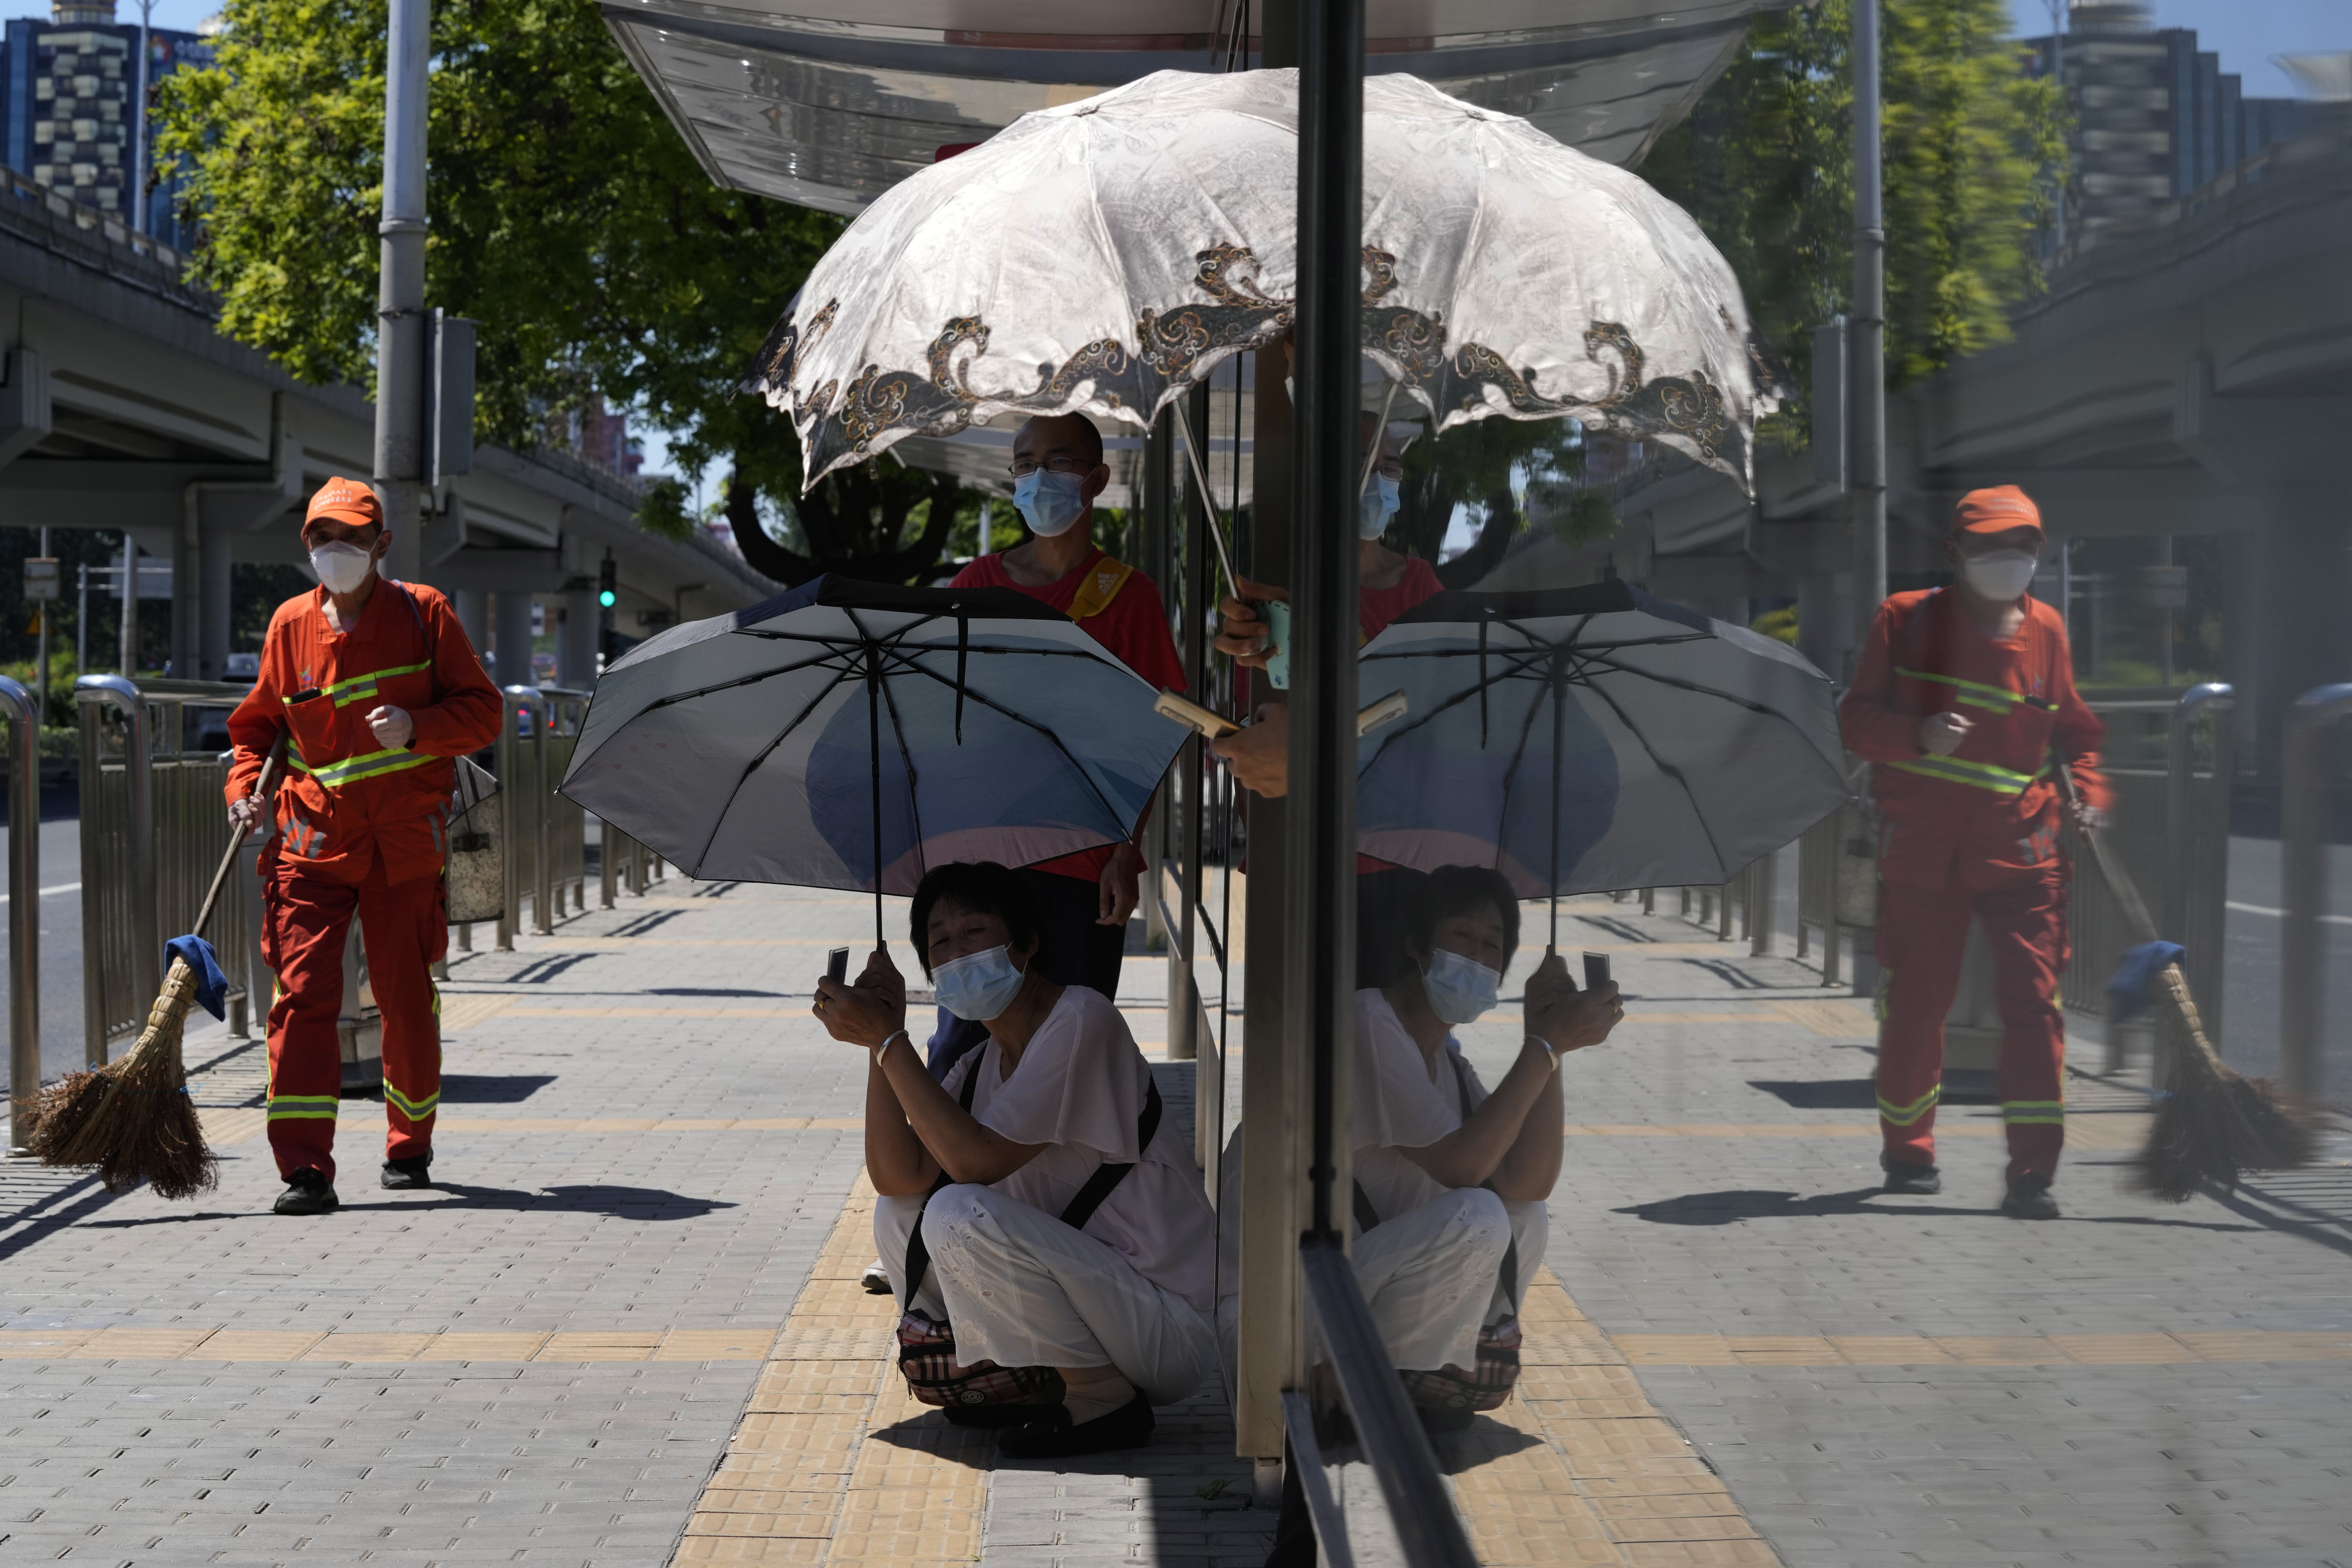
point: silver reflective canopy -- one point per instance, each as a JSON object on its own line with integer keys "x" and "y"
{"x": 828, "y": 104}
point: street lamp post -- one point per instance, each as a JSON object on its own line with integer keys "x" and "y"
{"x": 1866, "y": 400}
{"x": 139, "y": 125}
{"x": 400, "y": 318}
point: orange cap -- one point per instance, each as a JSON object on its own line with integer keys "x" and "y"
{"x": 345, "y": 500}
{"x": 1995, "y": 510}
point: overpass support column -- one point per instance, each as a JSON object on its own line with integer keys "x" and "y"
{"x": 510, "y": 639}
{"x": 2303, "y": 637}
{"x": 473, "y": 613}
{"x": 575, "y": 642}
{"x": 215, "y": 587}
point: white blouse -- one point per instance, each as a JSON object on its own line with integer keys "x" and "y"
{"x": 1402, "y": 1102}
{"x": 1078, "y": 1089}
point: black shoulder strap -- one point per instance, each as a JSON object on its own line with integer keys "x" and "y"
{"x": 1080, "y": 1208}
{"x": 1367, "y": 1216}
{"x": 1107, "y": 1175}
{"x": 918, "y": 1255}
{"x": 1510, "y": 1270}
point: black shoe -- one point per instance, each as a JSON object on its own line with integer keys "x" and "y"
{"x": 307, "y": 1192}
{"x": 406, "y": 1176}
{"x": 1439, "y": 1419}
{"x": 2029, "y": 1198}
{"x": 1906, "y": 1176}
{"x": 995, "y": 1417}
{"x": 1053, "y": 1435}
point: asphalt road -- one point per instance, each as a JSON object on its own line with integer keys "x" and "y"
{"x": 61, "y": 927}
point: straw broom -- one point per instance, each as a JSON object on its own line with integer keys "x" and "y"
{"x": 2212, "y": 1124}
{"x": 133, "y": 1118}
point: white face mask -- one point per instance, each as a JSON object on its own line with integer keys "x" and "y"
{"x": 979, "y": 985}
{"x": 341, "y": 567}
{"x": 2000, "y": 576}
{"x": 1051, "y": 501}
{"x": 1459, "y": 989}
{"x": 1376, "y": 506}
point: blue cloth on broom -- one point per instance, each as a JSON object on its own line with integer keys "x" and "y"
{"x": 2129, "y": 987}
{"x": 212, "y": 986}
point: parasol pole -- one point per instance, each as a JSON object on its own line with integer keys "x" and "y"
{"x": 873, "y": 731}
{"x": 1558, "y": 703}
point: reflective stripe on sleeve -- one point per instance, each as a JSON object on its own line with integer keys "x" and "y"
{"x": 1974, "y": 693}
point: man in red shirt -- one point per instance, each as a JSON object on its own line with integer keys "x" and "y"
{"x": 379, "y": 689}
{"x": 1087, "y": 897}
{"x": 1963, "y": 699}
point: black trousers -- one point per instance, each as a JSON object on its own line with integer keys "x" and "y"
{"x": 1076, "y": 951}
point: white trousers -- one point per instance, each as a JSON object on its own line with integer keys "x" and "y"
{"x": 1024, "y": 1290}
{"x": 1432, "y": 1276}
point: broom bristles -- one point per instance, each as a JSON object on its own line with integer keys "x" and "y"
{"x": 133, "y": 1120}
{"x": 2215, "y": 1124}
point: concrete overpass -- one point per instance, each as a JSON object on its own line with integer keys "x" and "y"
{"x": 123, "y": 407}
{"x": 2189, "y": 372}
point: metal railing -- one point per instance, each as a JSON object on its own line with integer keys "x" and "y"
{"x": 152, "y": 828}
{"x": 2303, "y": 863}
{"x": 24, "y": 907}
{"x": 546, "y": 833}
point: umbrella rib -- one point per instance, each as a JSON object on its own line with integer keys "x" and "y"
{"x": 1414, "y": 722}
{"x": 677, "y": 697}
{"x": 1510, "y": 782}
{"x": 719, "y": 821}
{"x": 986, "y": 701}
{"x": 914, "y": 780}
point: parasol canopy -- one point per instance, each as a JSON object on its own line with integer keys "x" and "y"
{"x": 1101, "y": 258}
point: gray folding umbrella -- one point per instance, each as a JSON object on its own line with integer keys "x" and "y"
{"x": 1582, "y": 739}
{"x": 852, "y": 734}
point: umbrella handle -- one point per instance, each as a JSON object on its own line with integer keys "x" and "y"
{"x": 262, "y": 785}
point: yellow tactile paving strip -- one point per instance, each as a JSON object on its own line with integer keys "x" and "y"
{"x": 2178, "y": 1348}
{"x": 833, "y": 1462}
{"x": 283, "y": 1345}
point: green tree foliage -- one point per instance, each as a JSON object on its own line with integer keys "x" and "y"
{"x": 568, "y": 219}
{"x": 1765, "y": 163}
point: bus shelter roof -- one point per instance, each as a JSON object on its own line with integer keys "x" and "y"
{"x": 828, "y": 104}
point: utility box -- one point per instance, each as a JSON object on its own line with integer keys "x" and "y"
{"x": 449, "y": 399}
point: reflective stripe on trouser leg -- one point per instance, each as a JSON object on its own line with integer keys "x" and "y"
{"x": 305, "y": 921}
{"x": 1923, "y": 935}
{"x": 2025, "y": 926}
{"x": 401, "y": 923}
{"x": 1024, "y": 1290}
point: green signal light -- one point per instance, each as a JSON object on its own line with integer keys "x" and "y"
{"x": 606, "y": 598}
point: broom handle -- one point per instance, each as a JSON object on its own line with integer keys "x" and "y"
{"x": 2119, "y": 881}
{"x": 261, "y": 788}
{"x": 2172, "y": 984}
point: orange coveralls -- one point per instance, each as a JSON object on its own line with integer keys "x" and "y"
{"x": 358, "y": 828}
{"x": 1974, "y": 835}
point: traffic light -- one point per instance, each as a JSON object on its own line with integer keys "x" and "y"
{"x": 608, "y": 579}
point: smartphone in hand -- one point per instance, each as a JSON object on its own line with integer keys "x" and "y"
{"x": 1596, "y": 970}
{"x": 837, "y": 965}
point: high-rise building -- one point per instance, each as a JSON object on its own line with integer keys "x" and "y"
{"x": 68, "y": 110}
{"x": 2155, "y": 117}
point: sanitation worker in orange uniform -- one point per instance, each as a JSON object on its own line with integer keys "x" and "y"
{"x": 1964, "y": 699}
{"x": 380, "y": 689}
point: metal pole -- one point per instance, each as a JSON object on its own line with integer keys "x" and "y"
{"x": 138, "y": 851}
{"x": 2303, "y": 859}
{"x": 400, "y": 289}
{"x": 608, "y": 851}
{"x": 510, "y": 826}
{"x": 1763, "y": 896}
{"x": 1867, "y": 322}
{"x": 542, "y": 876}
{"x": 127, "y": 639}
{"x": 23, "y": 909}
{"x": 1321, "y": 869}
{"x": 139, "y": 127}
{"x": 81, "y": 621}
{"x": 41, "y": 653}
{"x": 2179, "y": 809}
{"x": 2058, "y": 70}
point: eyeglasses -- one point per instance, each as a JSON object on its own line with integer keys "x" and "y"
{"x": 1024, "y": 466}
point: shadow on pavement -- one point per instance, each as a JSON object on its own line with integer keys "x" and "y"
{"x": 1738, "y": 1204}
{"x": 486, "y": 1089}
{"x": 616, "y": 1202}
{"x": 1960, "y": 1087}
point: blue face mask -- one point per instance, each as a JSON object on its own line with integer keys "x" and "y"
{"x": 1051, "y": 501}
{"x": 1459, "y": 990}
{"x": 1376, "y": 506}
{"x": 979, "y": 985}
